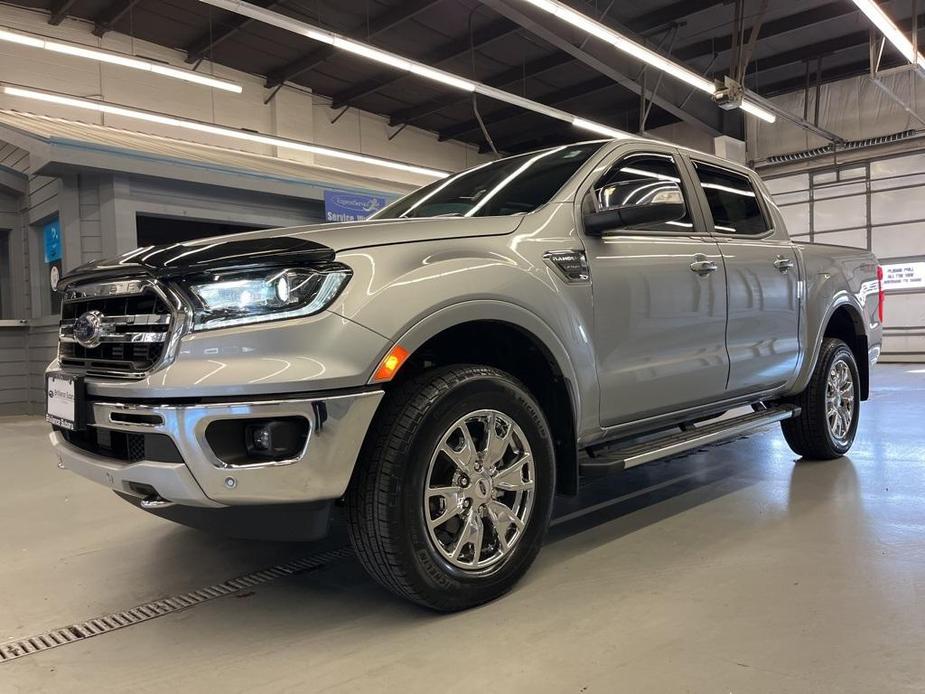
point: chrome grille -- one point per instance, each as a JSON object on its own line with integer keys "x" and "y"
{"x": 134, "y": 328}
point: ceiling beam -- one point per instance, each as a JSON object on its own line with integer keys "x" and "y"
{"x": 834, "y": 74}
{"x": 503, "y": 28}
{"x": 839, "y": 72}
{"x": 771, "y": 28}
{"x": 551, "y": 134}
{"x": 454, "y": 49}
{"x": 111, "y": 14}
{"x": 58, "y": 11}
{"x": 701, "y": 113}
{"x": 383, "y": 22}
{"x": 852, "y": 41}
{"x": 500, "y": 79}
{"x": 202, "y": 46}
{"x": 668, "y": 15}
{"x": 560, "y": 96}
{"x": 814, "y": 50}
{"x": 299, "y": 66}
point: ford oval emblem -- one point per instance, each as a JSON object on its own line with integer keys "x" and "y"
{"x": 88, "y": 329}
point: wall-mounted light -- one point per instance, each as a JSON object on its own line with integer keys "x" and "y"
{"x": 113, "y": 58}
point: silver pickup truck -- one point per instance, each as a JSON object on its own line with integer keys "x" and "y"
{"x": 444, "y": 369}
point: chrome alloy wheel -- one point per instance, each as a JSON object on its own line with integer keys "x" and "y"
{"x": 839, "y": 400}
{"x": 479, "y": 490}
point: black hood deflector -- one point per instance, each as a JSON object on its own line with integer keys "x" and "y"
{"x": 201, "y": 256}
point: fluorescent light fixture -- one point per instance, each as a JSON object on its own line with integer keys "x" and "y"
{"x": 757, "y": 111}
{"x": 21, "y": 39}
{"x": 371, "y": 53}
{"x": 296, "y": 26}
{"x": 892, "y": 32}
{"x": 116, "y": 59}
{"x": 441, "y": 76}
{"x": 620, "y": 42}
{"x": 584, "y": 124}
{"x": 638, "y": 51}
{"x": 222, "y": 131}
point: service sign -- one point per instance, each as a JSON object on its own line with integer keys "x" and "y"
{"x": 344, "y": 206}
{"x": 903, "y": 276}
{"x": 51, "y": 235}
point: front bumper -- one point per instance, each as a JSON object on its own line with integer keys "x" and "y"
{"x": 338, "y": 425}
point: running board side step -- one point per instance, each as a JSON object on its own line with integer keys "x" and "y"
{"x": 683, "y": 441}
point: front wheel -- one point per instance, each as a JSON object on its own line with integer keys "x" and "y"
{"x": 828, "y": 420}
{"x": 453, "y": 493}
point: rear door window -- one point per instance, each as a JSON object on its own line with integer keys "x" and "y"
{"x": 732, "y": 199}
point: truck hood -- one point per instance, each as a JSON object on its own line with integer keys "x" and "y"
{"x": 351, "y": 235}
{"x": 317, "y": 243}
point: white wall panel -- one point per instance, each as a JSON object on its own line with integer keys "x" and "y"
{"x": 840, "y": 190}
{"x": 787, "y": 184}
{"x": 851, "y": 237}
{"x": 904, "y": 310}
{"x": 899, "y": 241}
{"x": 852, "y": 173}
{"x": 839, "y": 213}
{"x": 901, "y": 182}
{"x": 891, "y": 206}
{"x": 822, "y": 177}
{"x": 796, "y": 217}
{"x": 790, "y": 198}
{"x": 897, "y": 166}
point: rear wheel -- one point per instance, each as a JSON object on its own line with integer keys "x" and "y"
{"x": 453, "y": 494}
{"x": 828, "y": 421}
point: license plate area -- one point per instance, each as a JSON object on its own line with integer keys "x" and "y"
{"x": 64, "y": 401}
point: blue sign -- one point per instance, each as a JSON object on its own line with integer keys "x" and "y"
{"x": 341, "y": 206}
{"x": 52, "y": 234}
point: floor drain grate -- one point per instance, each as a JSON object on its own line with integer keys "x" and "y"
{"x": 11, "y": 650}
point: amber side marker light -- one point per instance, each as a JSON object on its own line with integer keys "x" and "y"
{"x": 390, "y": 364}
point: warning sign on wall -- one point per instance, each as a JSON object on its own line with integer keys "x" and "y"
{"x": 904, "y": 276}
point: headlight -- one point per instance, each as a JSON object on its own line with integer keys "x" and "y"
{"x": 238, "y": 298}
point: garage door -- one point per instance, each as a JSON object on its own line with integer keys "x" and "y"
{"x": 878, "y": 205}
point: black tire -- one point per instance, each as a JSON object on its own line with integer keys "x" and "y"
{"x": 385, "y": 513}
{"x": 809, "y": 434}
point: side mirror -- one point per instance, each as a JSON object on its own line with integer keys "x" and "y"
{"x": 631, "y": 216}
{"x": 659, "y": 206}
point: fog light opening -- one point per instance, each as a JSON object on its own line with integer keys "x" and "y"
{"x": 278, "y": 439}
{"x": 242, "y": 442}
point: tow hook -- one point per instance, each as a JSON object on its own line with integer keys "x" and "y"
{"x": 154, "y": 502}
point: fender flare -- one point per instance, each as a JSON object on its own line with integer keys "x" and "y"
{"x": 811, "y": 353}
{"x": 503, "y": 312}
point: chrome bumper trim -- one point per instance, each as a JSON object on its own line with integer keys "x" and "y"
{"x": 172, "y": 480}
{"x": 321, "y": 472}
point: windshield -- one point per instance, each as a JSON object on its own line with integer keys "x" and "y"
{"x": 515, "y": 185}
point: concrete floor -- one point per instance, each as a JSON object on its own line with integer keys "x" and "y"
{"x": 730, "y": 570}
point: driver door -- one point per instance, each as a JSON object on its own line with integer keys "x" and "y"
{"x": 659, "y": 295}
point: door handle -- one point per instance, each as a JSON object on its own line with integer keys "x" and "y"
{"x": 783, "y": 264}
{"x": 704, "y": 267}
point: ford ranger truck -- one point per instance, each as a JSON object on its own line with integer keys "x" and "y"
{"x": 441, "y": 371}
